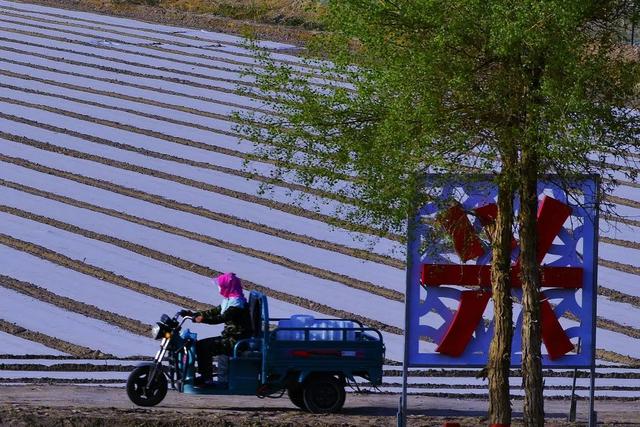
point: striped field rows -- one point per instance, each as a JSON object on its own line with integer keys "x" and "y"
{"x": 124, "y": 186}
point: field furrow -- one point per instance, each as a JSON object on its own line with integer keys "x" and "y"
{"x": 80, "y": 284}
{"x": 346, "y": 269}
{"x": 143, "y": 54}
{"x": 224, "y": 43}
{"x": 308, "y": 259}
{"x": 194, "y": 95}
{"x": 49, "y": 325}
{"x": 131, "y": 52}
{"x": 23, "y": 347}
{"x": 167, "y": 44}
{"x": 130, "y": 24}
{"x": 603, "y": 336}
{"x": 92, "y": 173}
{"x": 197, "y": 253}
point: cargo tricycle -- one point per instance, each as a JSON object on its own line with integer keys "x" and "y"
{"x": 310, "y": 361}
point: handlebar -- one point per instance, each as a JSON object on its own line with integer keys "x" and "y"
{"x": 184, "y": 318}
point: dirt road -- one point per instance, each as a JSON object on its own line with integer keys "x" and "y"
{"x": 55, "y": 405}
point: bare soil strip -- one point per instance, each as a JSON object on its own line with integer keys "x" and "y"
{"x": 251, "y": 198}
{"x": 49, "y": 380}
{"x": 52, "y": 342}
{"x": 172, "y": 204}
{"x": 515, "y": 373}
{"x": 381, "y": 387}
{"x": 624, "y": 167}
{"x": 619, "y": 266}
{"x": 612, "y": 356}
{"x": 66, "y": 367}
{"x": 149, "y": 290}
{"x": 628, "y": 183}
{"x": 436, "y": 386}
{"x": 618, "y": 296}
{"x": 627, "y": 221}
{"x": 620, "y": 242}
{"x": 255, "y": 253}
{"x": 87, "y": 358}
{"x": 41, "y": 294}
{"x": 425, "y": 373}
{"x": 611, "y": 325}
{"x": 622, "y": 201}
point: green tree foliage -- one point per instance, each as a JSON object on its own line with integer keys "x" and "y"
{"x": 513, "y": 88}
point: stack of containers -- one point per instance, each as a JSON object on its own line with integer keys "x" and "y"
{"x": 332, "y": 335}
{"x": 305, "y": 321}
{"x": 296, "y": 321}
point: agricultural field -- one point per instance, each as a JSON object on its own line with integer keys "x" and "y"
{"x": 124, "y": 187}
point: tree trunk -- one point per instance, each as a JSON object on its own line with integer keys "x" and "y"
{"x": 500, "y": 349}
{"x": 531, "y": 330}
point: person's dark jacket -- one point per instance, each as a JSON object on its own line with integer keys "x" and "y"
{"x": 237, "y": 322}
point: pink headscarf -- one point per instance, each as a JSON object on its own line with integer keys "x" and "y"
{"x": 229, "y": 286}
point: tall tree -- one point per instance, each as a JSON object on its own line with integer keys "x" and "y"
{"x": 577, "y": 88}
{"x": 516, "y": 89}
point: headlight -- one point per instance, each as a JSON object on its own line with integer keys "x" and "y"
{"x": 155, "y": 332}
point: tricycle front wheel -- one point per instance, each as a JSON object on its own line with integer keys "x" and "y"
{"x": 323, "y": 394}
{"x": 138, "y": 391}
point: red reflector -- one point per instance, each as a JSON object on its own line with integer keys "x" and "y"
{"x": 320, "y": 352}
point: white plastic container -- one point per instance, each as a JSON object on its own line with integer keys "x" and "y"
{"x": 302, "y": 321}
{"x": 351, "y": 333}
{"x": 332, "y": 335}
{"x": 296, "y": 321}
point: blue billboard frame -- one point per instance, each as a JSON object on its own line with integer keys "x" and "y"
{"x": 420, "y": 301}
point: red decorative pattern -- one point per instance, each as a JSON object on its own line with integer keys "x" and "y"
{"x": 551, "y": 215}
{"x": 465, "y": 241}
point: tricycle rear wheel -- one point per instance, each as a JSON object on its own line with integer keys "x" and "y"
{"x": 323, "y": 394}
{"x": 138, "y": 391}
{"x": 296, "y": 395}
